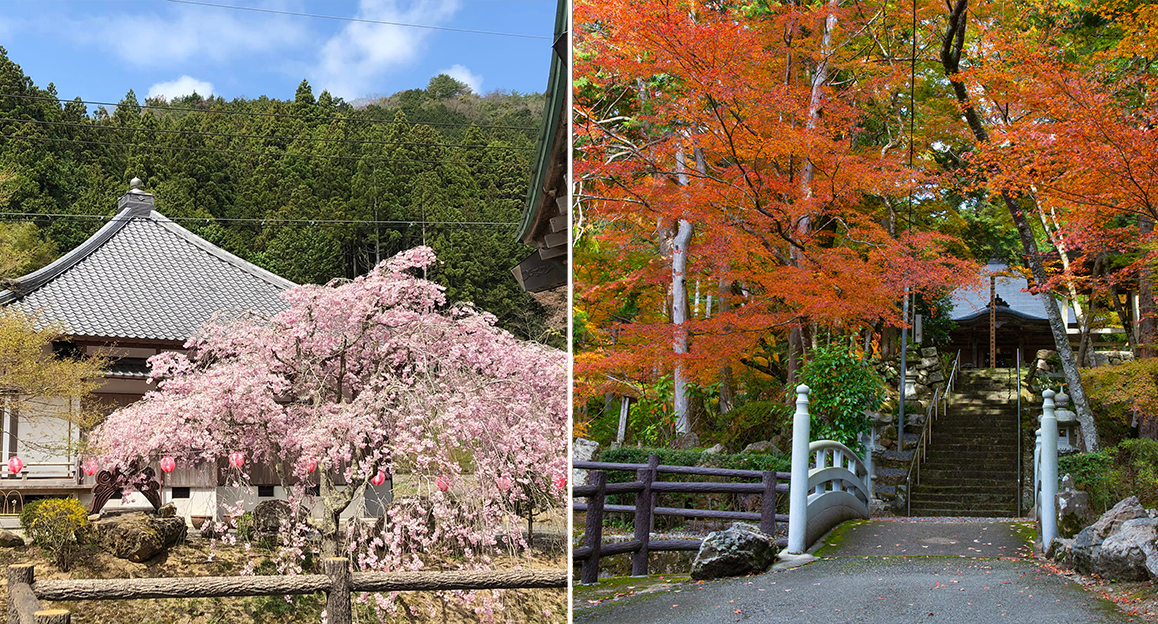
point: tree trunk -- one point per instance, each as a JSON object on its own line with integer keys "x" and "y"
{"x": 796, "y": 337}
{"x": 679, "y": 307}
{"x": 679, "y": 316}
{"x": 1147, "y": 345}
{"x": 727, "y": 392}
{"x": 951, "y": 47}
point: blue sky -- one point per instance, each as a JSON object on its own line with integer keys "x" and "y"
{"x": 98, "y": 49}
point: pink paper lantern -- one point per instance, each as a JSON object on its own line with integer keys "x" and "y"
{"x": 443, "y": 484}
{"x": 90, "y": 467}
{"x": 168, "y": 464}
{"x": 504, "y": 483}
{"x": 560, "y": 481}
{"x": 15, "y": 465}
{"x": 311, "y": 465}
{"x": 236, "y": 459}
{"x": 379, "y": 478}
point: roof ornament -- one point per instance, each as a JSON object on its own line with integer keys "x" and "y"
{"x": 135, "y": 185}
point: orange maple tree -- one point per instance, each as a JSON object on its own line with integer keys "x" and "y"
{"x": 733, "y": 138}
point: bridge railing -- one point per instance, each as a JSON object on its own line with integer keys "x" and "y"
{"x": 829, "y": 483}
{"x": 646, "y": 489}
{"x": 1045, "y": 472}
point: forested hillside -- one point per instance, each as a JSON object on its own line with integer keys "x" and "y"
{"x": 311, "y": 188}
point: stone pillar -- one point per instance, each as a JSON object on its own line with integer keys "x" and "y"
{"x": 1048, "y": 471}
{"x": 798, "y": 494}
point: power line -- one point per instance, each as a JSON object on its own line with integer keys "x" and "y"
{"x": 183, "y": 109}
{"x": 235, "y": 152}
{"x": 359, "y": 19}
{"x": 21, "y": 216}
{"x": 259, "y": 136}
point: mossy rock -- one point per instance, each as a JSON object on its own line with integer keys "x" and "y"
{"x": 139, "y": 537}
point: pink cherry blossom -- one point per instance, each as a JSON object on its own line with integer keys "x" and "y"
{"x": 362, "y": 377}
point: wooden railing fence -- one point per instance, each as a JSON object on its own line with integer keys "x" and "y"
{"x": 646, "y": 488}
{"x": 338, "y": 583}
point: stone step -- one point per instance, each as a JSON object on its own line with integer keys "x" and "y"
{"x": 936, "y": 512}
{"x": 959, "y": 487}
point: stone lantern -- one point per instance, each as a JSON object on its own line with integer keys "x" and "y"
{"x": 1067, "y": 424}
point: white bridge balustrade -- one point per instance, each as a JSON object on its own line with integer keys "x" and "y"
{"x": 830, "y": 483}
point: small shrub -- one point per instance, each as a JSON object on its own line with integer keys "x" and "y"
{"x": 60, "y": 527}
{"x": 1129, "y": 469}
{"x": 755, "y": 422}
{"x": 842, "y": 389}
{"x": 245, "y": 528}
{"x": 28, "y": 513}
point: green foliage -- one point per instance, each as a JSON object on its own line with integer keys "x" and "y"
{"x": 312, "y": 157}
{"x": 245, "y": 530}
{"x": 937, "y": 318}
{"x": 1129, "y": 469}
{"x": 1118, "y": 393}
{"x": 842, "y": 388}
{"x": 28, "y": 513}
{"x": 60, "y": 527}
{"x": 754, "y": 422}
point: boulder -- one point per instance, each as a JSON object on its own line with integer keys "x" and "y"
{"x": 1073, "y": 508}
{"x": 168, "y": 510}
{"x": 583, "y": 450}
{"x": 1045, "y": 354}
{"x": 139, "y": 537}
{"x": 687, "y": 441}
{"x": 1129, "y": 554}
{"x": 715, "y": 450}
{"x": 929, "y": 352}
{"x": 268, "y": 516}
{"x": 759, "y": 447}
{"x": 8, "y": 539}
{"x": 737, "y": 550}
{"x": 1085, "y": 552}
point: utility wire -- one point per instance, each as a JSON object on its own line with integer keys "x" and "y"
{"x": 236, "y": 152}
{"x": 259, "y": 136}
{"x": 32, "y": 216}
{"x": 359, "y": 19}
{"x": 184, "y": 109}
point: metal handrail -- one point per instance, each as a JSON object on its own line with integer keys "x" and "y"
{"x": 920, "y": 453}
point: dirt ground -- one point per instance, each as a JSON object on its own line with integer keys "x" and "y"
{"x": 195, "y": 558}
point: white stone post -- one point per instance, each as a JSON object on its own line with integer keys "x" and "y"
{"x": 1036, "y": 471}
{"x": 798, "y": 494}
{"x": 1048, "y": 471}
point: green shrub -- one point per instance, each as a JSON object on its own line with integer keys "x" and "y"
{"x": 245, "y": 527}
{"x": 842, "y": 388}
{"x": 755, "y": 422}
{"x": 60, "y": 527}
{"x": 1091, "y": 474}
{"x": 29, "y": 512}
{"x": 1129, "y": 469}
{"x": 1136, "y": 470}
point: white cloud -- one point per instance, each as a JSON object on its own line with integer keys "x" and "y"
{"x": 462, "y": 74}
{"x": 194, "y": 32}
{"x": 353, "y": 60}
{"x": 185, "y": 85}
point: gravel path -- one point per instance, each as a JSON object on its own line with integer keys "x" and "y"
{"x": 883, "y": 571}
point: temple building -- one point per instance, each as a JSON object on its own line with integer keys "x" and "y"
{"x": 139, "y": 286}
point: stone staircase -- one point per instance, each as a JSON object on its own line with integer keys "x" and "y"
{"x": 971, "y": 465}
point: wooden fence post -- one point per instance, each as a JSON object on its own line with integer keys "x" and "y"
{"x": 20, "y": 594}
{"x": 338, "y": 596}
{"x": 593, "y": 532}
{"x": 653, "y": 466}
{"x": 768, "y": 503}
{"x": 643, "y": 506}
{"x": 53, "y": 616}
